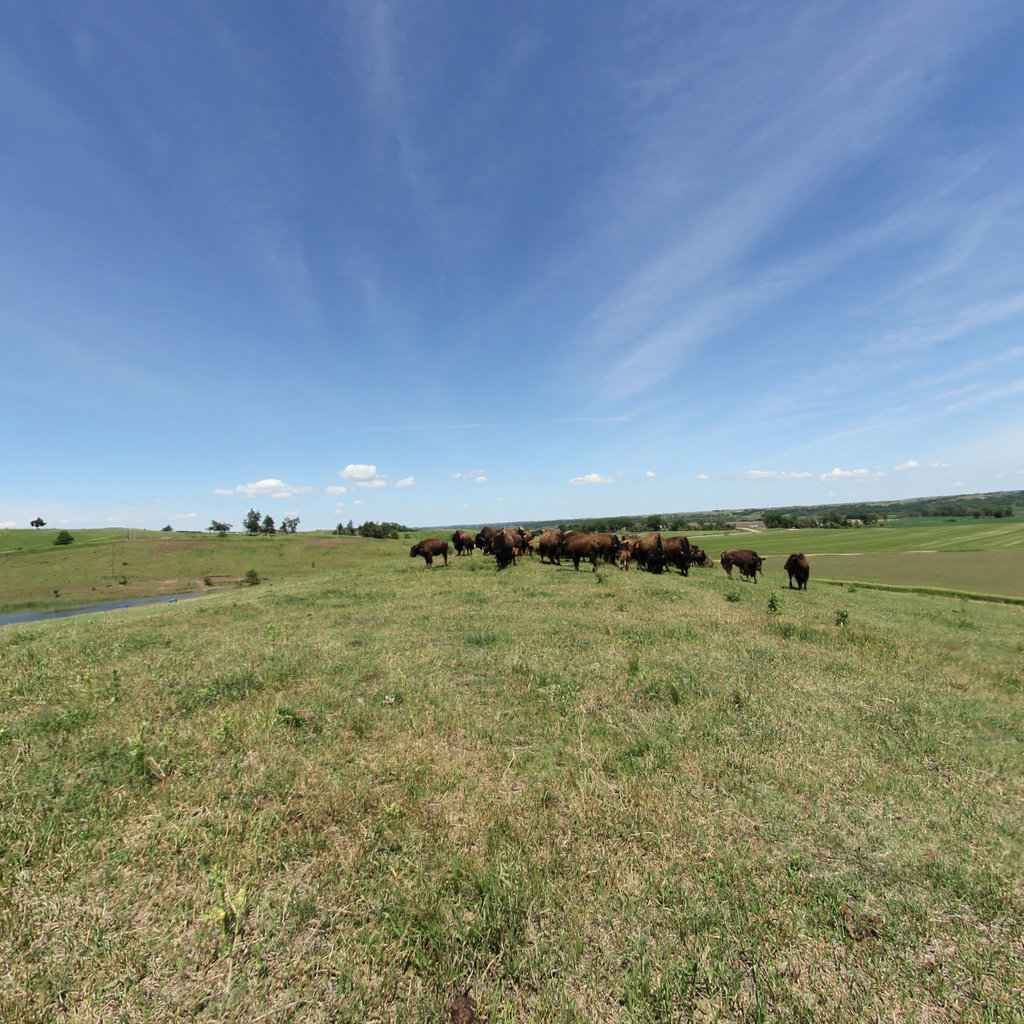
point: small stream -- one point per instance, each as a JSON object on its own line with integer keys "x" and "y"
{"x": 104, "y": 606}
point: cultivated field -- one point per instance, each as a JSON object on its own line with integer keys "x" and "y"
{"x": 363, "y": 788}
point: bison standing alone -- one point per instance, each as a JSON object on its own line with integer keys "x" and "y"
{"x": 749, "y": 563}
{"x": 799, "y": 568}
{"x": 429, "y": 548}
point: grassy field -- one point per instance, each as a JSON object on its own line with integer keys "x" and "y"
{"x": 356, "y": 795}
{"x": 103, "y": 565}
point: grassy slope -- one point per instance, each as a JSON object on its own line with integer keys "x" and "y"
{"x": 102, "y": 565}
{"x": 619, "y": 798}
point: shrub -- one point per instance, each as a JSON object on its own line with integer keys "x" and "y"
{"x": 252, "y": 578}
{"x": 63, "y": 538}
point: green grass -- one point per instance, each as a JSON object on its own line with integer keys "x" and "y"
{"x": 104, "y": 565}
{"x": 616, "y": 797}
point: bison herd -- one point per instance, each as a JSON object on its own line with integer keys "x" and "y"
{"x": 651, "y": 552}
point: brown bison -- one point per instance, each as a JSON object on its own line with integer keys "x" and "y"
{"x": 698, "y": 556}
{"x": 609, "y": 545}
{"x": 677, "y": 552}
{"x": 429, "y": 549}
{"x": 483, "y": 539}
{"x": 650, "y": 552}
{"x": 624, "y": 554}
{"x": 798, "y": 567}
{"x": 549, "y": 544}
{"x": 505, "y": 546}
{"x": 749, "y": 563}
{"x": 579, "y": 546}
{"x": 463, "y": 542}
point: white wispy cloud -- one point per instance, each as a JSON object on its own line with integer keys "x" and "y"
{"x": 789, "y": 138}
{"x": 774, "y": 474}
{"x": 856, "y": 474}
{"x": 592, "y": 480}
{"x": 408, "y": 481}
{"x": 909, "y": 464}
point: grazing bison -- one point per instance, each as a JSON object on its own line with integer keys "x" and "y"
{"x": 749, "y": 563}
{"x": 549, "y": 544}
{"x": 505, "y": 546}
{"x": 677, "y": 552}
{"x": 797, "y": 566}
{"x": 463, "y": 542}
{"x": 650, "y": 552}
{"x": 429, "y": 549}
{"x": 579, "y": 546}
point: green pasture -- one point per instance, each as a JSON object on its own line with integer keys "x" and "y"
{"x": 357, "y": 794}
{"x": 104, "y": 565}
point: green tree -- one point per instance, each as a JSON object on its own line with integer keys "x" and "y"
{"x": 37, "y": 522}
{"x": 219, "y": 528}
{"x": 289, "y": 524}
{"x": 252, "y": 522}
{"x": 63, "y": 538}
{"x": 267, "y": 526}
{"x": 168, "y": 529}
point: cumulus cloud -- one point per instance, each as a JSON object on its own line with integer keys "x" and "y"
{"x": 775, "y": 474}
{"x": 591, "y": 480}
{"x": 358, "y": 471}
{"x": 703, "y": 476}
{"x": 337, "y": 489}
{"x": 409, "y": 481}
{"x": 271, "y": 488}
{"x": 847, "y": 474}
{"x": 909, "y": 464}
{"x": 480, "y": 480}
{"x": 466, "y": 474}
{"x": 650, "y": 475}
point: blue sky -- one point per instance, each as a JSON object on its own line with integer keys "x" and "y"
{"x": 441, "y": 263}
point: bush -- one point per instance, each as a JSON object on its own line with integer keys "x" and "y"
{"x": 252, "y": 578}
{"x": 63, "y": 538}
